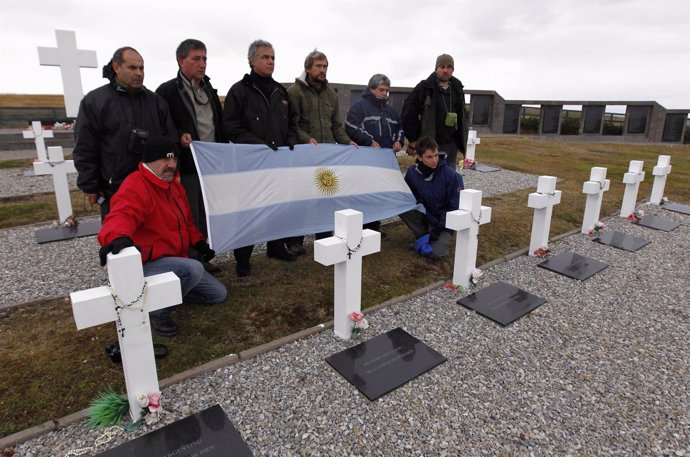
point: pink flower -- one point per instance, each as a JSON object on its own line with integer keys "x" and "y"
{"x": 154, "y": 401}
{"x": 356, "y": 316}
{"x": 631, "y": 217}
{"x": 450, "y": 286}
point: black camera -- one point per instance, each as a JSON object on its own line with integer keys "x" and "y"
{"x": 137, "y": 138}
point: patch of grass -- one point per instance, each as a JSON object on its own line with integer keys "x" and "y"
{"x": 49, "y": 369}
{"x": 29, "y": 209}
{"x": 16, "y": 163}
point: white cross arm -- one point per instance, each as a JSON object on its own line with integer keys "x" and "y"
{"x": 663, "y": 166}
{"x": 633, "y": 177}
{"x": 95, "y": 306}
{"x": 537, "y": 200}
{"x": 37, "y": 131}
{"x": 461, "y": 219}
{"x": 332, "y": 250}
{"x": 594, "y": 187}
{"x": 47, "y": 168}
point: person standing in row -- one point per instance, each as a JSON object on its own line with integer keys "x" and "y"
{"x": 257, "y": 111}
{"x": 436, "y": 107}
{"x": 113, "y": 124}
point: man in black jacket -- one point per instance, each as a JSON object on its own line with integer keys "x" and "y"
{"x": 112, "y": 126}
{"x": 197, "y": 113}
{"x": 257, "y": 111}
{"x": 436, "y": 107}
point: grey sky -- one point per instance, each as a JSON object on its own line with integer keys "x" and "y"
{"x": 529, "y": 49}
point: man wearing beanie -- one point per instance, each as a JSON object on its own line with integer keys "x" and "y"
{"x": 150, "y": 211}
{"x": 436, "y": 107}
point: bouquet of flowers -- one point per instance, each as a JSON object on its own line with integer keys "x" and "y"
{"x": 542, "y": 252}
{"x": 596, "y": 230}
{"x": 359, "y": 323}
{"x": 468, "y": 164}
{"x": 636, "y": 217}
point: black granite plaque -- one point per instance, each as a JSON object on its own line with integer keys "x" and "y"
{"x": 502, "y": 303}
{"x": 550, "y": 119}
{"x": 637, "y": 119}
{"x": 62, "y": 233}
{"x": 673, "y": 127}
{"x": 485, "y": 168}
{"x": 208, "y": 433}
{"x": 658, "y": 223}
{"x": 384, "y": 363}
{"x": 573, "y": 265}
{"x": 621, "y": 240}
{"x": 481, "y": 109}
{"x": 677, "y": 207}
{"x": 511, "y": 118}
{"x": 593, "y": 118}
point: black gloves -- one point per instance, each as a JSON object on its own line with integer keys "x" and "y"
{"x": 291, "y": 145}
{"x": 272, "y": 146}
{"x": 204, "y": 250}
{"x": 115, "y": 246}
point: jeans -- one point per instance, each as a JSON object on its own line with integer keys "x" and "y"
{"x": 198, "y": 286}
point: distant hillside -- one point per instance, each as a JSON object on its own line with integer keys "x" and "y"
{"x": 31, "y": 100}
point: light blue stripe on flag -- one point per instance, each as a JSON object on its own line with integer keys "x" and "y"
{"x": 253, "y": 194}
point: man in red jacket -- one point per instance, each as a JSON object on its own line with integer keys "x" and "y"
{"x": 151, "y": 211}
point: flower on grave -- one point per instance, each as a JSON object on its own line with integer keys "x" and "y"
{"x": 542, "y": 252}
{"x": 468, "y": 164}
{"x": 664, "y": 200}
{"x": 453, "y": 287}
{"x": 152, "y": 418}
{"x": 63, "y": 126}
{"x": 636, "y": 217}
{"x": 596, "y": 230}
{"x": 143, "y": 400}
{"x": 359, "y": 323}
{"x": 154, "y": 401}
{"x": 71, "y": 221}
{"x": 476, "y": 275}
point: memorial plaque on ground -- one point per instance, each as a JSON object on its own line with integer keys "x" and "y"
{"x": 621, "y": 240}
{"x": 658, "y": 223}
{"x": 485, "y": 168}
{"x": 384, "y": 363}
{"x": 573, "y": 265}
{"x": 208, "y": 433}
{"x": 61, "y": 233}
{"x": 677, "y": 207}
{"x": 501, "y": 302}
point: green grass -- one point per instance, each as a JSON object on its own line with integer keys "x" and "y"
{"x": 49, "y": 369}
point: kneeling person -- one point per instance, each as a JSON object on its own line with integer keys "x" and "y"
{"x": 150, "y": 211}
{"x": 437, "y": 186}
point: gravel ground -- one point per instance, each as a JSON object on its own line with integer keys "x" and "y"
{"x": 602, "y": 368}
{"x": 14, "y": 183}
{"x": 31, "y": 271}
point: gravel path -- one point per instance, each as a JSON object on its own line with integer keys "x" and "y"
{"x": 602, "y": 368}
{"x": 14, "y": 183}
{"x": 31, "y": 271}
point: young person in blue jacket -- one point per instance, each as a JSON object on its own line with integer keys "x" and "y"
{"x": 436, "y": 186}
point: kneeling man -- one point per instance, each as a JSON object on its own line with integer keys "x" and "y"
{"x": 436, "y": 186}
{"x": 150, "y": 211}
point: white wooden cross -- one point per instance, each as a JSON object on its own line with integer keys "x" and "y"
{"x": 660, "y": 171}
{"x": 632, "y": 180}
{"x": 472, "y": 142}
{"x": 594, "y": 188}
{"x": 137, "y": 296}
{"x": 466, "y": 221}
{"x": 345, "y": 250}
{"x": 38, "y": 134}
{"x": 542, "y": 201}
{"x": 57, "y": 166}
{"x": 70, "y": 60}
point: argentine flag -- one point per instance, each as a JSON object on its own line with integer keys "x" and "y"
{"x": 253, "y": 194}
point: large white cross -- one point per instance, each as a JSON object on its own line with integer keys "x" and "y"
{"x": 57, "y": 166}
{"x": 98, "y": 306}
{"x": 466, "y": 221}
{"x": 472, "y": 142}
{"x": 594, "y": 188}
{"x": 38, "y": 134}
{"x": 632, "y": 180}
{"x": 660, "y": 171}
{"x": 345, "y": 250}
{"x": 542, "y": 201}
{"x": 70, "y": 60}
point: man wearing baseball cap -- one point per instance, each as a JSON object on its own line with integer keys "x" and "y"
{"x": 150, "y": 211}
{"x": 436, "y": 108}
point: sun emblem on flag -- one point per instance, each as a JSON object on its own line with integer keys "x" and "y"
{"x": 326, "y": 180}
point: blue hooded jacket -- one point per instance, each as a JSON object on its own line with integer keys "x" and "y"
{"x": 370, "y": 119}
{"x": 439, "y": 192}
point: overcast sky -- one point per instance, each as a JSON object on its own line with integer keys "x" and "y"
{"x": 527, "y": 49}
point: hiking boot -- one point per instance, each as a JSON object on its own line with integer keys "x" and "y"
{"x": 280, "y": 252}
{"x": 296, "y": 249}
{"x": 164, "y": 326}
{"x": 211, "y": 268}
